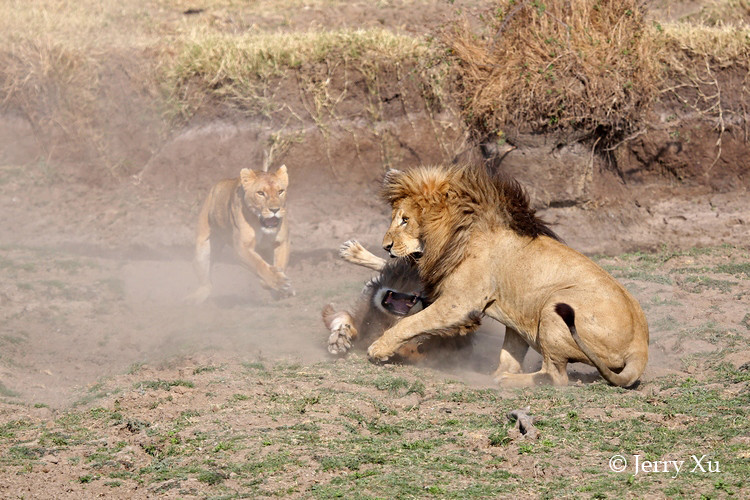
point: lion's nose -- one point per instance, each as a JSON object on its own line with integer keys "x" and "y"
{"x": 274, "y": 210}
{"x": 388, "y": 247}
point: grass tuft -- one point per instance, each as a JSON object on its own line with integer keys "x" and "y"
{"x": 236, "y": 68}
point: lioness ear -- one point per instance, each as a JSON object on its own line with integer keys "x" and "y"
{"x": 247, "y": 176}
{"x": 282, "y": 175}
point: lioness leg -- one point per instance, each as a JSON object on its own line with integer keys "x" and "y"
{"x": 202, "y": 258}
{"x": 352, "y": 251}
{"x": 512, "y": 355}
{"x": 282, "y": 248}
{"x": 281, "y": 260}
{"x": 202, "y": 265}
{"x": 271, "y": 276}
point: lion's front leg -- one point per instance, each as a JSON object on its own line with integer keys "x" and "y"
{"x": 443, "y": 315}
{"x": 352, "y": 251}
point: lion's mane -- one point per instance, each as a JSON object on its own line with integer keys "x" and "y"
{"x": 455, "y": 202}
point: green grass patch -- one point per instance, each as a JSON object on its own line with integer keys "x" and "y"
{"x": 7, "y": 393}
{"x": 702, "y": 283}
{"x": 163, "y": 385}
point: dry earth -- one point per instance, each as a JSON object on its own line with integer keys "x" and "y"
{"x": 91, "y": 321}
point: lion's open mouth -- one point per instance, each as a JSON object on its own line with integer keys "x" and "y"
{"x": 270, "y": 222}
{"x": 399, "y": 303}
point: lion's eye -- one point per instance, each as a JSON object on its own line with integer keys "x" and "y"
{"x": 281, "y": 191}
{"x": 261, "y": 194}
{"x": 404, "y": 220}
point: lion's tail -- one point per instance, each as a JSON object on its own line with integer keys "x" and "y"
{"x": 627, "y": 377}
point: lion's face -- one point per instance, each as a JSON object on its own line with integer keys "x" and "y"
{"x": 403, "y": 236}
{"x": 265, "y": 195}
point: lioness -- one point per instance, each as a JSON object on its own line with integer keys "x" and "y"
{"x": 395, "y": 293}
{"x": 481, "y": 248}
{"x": 250, "y": 212}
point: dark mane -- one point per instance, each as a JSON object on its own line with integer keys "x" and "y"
{"x": 523, "y": 219}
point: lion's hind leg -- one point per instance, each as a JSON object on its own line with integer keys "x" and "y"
{"x": 202, "y": 265}
{"x": 343, "y": 332}
{"x": 552, "y": 372}
{"x": 352, "y": 251}
{"x": 554, "y": 358}
{"x": 512, "y": 354}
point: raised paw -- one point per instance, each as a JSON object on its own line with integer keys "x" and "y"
{"x": 341, "y": 326}
{"x": 340, "y": 340}
{"x": 350, "y": 250}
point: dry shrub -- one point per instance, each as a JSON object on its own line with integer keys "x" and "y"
{"x": 550, "y": 65}
{"x": 50, "y": 84}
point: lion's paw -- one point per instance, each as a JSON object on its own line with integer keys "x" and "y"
{"x": 507, "y": 379}
{"x": 342, "y": 333}
{"x": 350, "y": 250}
{"x": 282, "y": 285}
{"x": 379, "y": 351}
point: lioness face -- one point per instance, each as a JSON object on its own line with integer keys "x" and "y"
{"x": 265, "y": 195}
{"x": 402, "y": 238}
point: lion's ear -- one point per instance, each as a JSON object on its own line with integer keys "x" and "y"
{"x": 247, "y": 176}
{"x": 282, "y": 175}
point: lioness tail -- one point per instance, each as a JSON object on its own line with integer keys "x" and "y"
{"x": 625, "y": 378}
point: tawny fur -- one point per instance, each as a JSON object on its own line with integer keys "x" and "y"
{"x": 481, "y": 248}
{"x": 248, "y": 212}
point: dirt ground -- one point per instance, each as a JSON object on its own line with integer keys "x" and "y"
{"x": 92, "y": 277}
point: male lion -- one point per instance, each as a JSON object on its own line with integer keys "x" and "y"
{"x": 250, "y": 212}
{"x": 395, "y": 293}
{"x": 480, "y": 248}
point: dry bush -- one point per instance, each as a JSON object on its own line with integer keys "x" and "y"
{"x": 570, "y": 66}
{"x": 50, "y": 84}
